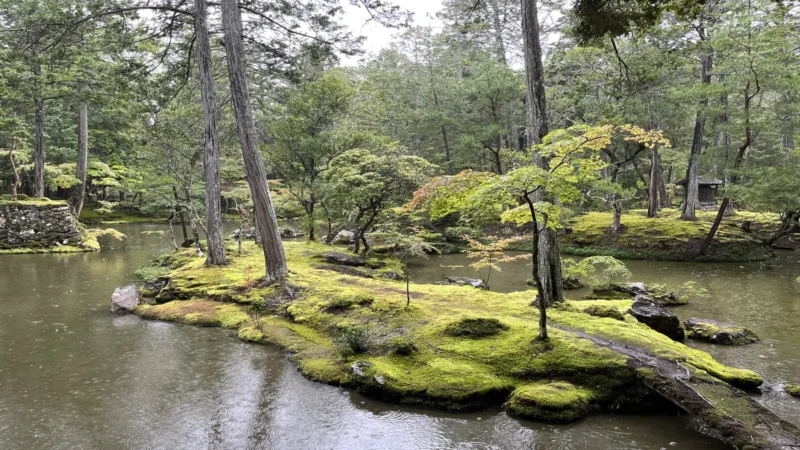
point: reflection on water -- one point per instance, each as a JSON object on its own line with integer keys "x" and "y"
{"x": 73, "y": 376}
{"x": 761, "y": 296}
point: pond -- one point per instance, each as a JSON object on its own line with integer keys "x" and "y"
{"x": 74, "y": 376}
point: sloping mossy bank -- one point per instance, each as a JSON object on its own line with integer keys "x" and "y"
{"x": 453, "y": 347}
{"x": 665, "y": 237}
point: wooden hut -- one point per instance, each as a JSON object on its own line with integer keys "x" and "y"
{"x": 706, "y": 190}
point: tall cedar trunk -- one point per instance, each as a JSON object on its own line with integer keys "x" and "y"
{"x": 445, "y": 142}
{"x": 690, "y": 201}
{"x": 13, "y": 167}
{"x": 38, "y": 133}
{"x": 266, "y": 220}
{"x": 663, "y": 196}
{"x": 748, "y": 141}
{"x": 652, "y": 204}
{"x": 79, "y": 191}
{"x": 548, "y": 257}
{"x": 500, "y": 46}
{"x": 214, "y": 233}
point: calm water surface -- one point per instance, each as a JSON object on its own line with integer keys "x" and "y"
{"x": 73, "y": 376}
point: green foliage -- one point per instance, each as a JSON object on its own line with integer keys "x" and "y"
{"x": 353, "y": 338}
{"x": 475, "y": 327}
{"x": 598, "y": 272}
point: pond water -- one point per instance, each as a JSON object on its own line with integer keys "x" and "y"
{"x": 74, "y": 376}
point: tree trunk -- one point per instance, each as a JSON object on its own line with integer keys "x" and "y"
{"x": 748, "y": 141}
{"x": 79, "y": 191}
{"x": 214, "y": 233}
{"x": 616, "y": 221}
{"x": 500, "y": 46}
{"x": 13, "y": 167}
{"x": 38, "y": 133}
{"x": 266, "y": 220}
{"x": 652, "y": 204}
{"x": 548, "y": 259}
{"x": 179, "y": 210}
{"x": 534, "y": 74}
{"x": 690, "y": 200}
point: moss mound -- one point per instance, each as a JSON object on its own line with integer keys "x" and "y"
{"x": 793, "y": 390}
{"x": 609, "y": 311}
{"x": 556, "y": 402}
{"x": 475, "y": 327}
{"x": 666, "y": 237}
{"x": 418, "y": 354}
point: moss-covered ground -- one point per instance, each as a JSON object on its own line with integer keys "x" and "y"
{"x": 452, "y": 347}
{"x": 93, "y": 217}
{"x": 666, "y": 237}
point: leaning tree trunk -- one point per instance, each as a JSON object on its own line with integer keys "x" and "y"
{"x": 214, "y": 233}
{"x": 79, "y": 190}
{"x": 549, "y": 260}
{"x": 38, "y": 133}
{"x": 690, "y": 200}
{"x": 266, "y": 220}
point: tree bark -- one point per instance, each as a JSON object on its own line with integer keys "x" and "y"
{"x": 534, "y": 74}
{"x": 38, "y": 133}
{"x": 79, "y": 191}
{"x": 748, "y": 141}
{"x": 178, "y": 210}
{"x": 214, "y": 233}
{"x": 266, "y": 220}
{"x": 690, "y": 200}
{"x": 549, "y": 258}
{"x": 13, "y": 164}
{"x": 652, "y": 204}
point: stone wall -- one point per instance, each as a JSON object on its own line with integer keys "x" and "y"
{"x": 36, "y": 224}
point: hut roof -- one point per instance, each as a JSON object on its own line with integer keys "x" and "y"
{"x": 706, "y": 181}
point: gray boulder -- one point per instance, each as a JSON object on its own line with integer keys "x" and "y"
{"x": 344, "y": 237}
{"x": 343, "y": 259}
{"x": 125, "y": 299}
{"x": 461, "y": 281}
{"x": 719, "y": 332}
{"x": 657, "y": 317}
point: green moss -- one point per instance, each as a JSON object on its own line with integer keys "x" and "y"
{"x": 793, "y": 390}
{"x": 31, "y": 201}
{"x": 609, "y": 311}
{"x": 116, "y": 217}
{"x": 408, "y": 356}
{"x": 664, "y": 238}
{"x": 720, "y": 333}
{"x": 475, "y": 327}
{"x": 557, "y": 402}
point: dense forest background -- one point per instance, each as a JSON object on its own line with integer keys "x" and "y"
{"x": 110, "y": 91}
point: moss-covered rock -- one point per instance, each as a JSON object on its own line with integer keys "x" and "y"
{"x": 719, "y": 332}
{"x": 793, "y": 390}
{"x": 556, "y": 402}
{"x": 475, "y": 327}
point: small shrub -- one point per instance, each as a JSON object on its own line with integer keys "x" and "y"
{"x": 402, "y": 346}
{"x": 354, "y": 337}
{"x": 257, "y": 307}
{"x": 475, "y": 327}
{"x": 151, "y": 273}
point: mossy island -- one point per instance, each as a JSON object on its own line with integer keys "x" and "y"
{"x": 456, "y": 348}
